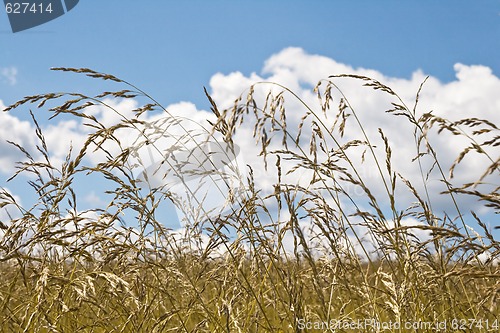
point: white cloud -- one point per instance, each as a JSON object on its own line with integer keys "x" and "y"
{"x": 474, "y": 93}
{"x": 10, "y": 210}
{"x": 93, "y": 200}
{"x": 9, "y": 75}
{"x": 61, "y": 136}
{"x": 15, "y": 130}
{"x": 488, "y": 257}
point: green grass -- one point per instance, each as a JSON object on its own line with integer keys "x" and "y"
{"x": 294, "y": 257}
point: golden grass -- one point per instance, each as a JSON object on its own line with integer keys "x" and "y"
{"x": 70, "y": 271}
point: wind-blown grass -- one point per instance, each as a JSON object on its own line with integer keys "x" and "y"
{"x": 297, "y": 256}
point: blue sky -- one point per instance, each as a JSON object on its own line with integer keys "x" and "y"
{"x": 172, "y": 49}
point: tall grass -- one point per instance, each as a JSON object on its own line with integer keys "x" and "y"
{"x": 307, "y": 242}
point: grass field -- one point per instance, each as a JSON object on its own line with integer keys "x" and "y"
{"x": 306, "y": 242}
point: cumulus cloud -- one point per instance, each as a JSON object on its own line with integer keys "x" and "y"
{"x": 94, "y": 200}
{"x": 9, "y": 75}
{"x": 9, "y": 209}
{"x": 474, "y": 93}
{"x": 14, "y": 130}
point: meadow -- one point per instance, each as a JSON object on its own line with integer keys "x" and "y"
{"x": 308, "y": 241}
